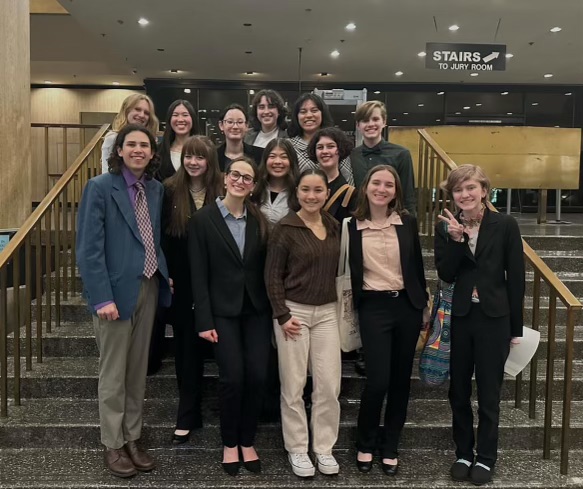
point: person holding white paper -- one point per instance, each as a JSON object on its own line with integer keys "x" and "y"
{"x": 481, "y": 251}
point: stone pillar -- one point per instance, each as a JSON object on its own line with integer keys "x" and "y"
{"x": 15, "y": 161}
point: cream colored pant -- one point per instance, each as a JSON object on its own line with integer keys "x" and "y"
{"x": 317, "y": 347}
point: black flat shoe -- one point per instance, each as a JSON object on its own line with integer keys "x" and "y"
{"x": 253, "y": 466}
{"x": 180, "y": 439}
{"x": 364, "y": 467}
{"x": 390, "y": 469}
{"x": 231, "y": 468}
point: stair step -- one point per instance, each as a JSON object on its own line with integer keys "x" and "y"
{"x": 187, "y": 468}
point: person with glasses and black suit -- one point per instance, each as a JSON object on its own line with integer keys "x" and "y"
{"x": 233, "y": 124}
{"x": 227, "y": 248}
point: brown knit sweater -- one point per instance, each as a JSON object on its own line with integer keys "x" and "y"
{"x": 300, "y": 267}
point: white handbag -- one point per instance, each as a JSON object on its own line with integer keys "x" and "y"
{"x": 347, "y": 317}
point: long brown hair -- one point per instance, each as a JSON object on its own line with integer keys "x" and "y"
{"x": 249, "y": 205}
{"x": 396, "y": 205}
{"x": 178, "y": 185}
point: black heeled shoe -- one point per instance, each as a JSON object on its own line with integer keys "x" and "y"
{"x": 231, "y": 468}
{"x": 363, "y": 466}
{"x": 390, "y": 469}
{"x": 253, "y": 466}
{"x": 180, "y": 439}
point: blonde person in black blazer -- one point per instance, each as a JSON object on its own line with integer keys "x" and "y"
{"x": 227, "y": 251}
{"x": 481, "y": 251}
{"x": 389, "y": 292}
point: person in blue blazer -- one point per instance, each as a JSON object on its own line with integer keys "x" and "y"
{"x": 124, "y": 274}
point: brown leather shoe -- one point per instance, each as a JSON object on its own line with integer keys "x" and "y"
{"x": 141, "y": 460}
{"x": 118, "y": 462}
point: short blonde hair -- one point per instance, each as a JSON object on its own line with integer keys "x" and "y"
{"x": 463, "y": 173}
{"x": 364, "y": 111}
{"x": 121, "y": 119}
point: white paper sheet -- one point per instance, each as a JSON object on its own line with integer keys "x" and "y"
{"x": 521, "y": 354}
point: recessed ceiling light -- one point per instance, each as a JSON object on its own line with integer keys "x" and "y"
{"x": 437, "y": 120}
{"x": 534, "y": 103}
{"x": 420, "y": 105}
{"x": 335, "y": 53}
{"x": 48, "y": 82}
{"x": 115, "y": 83}
{"x": 161, "y": 50}
{"x": 458, "y": 113}
{"x": 399, "y": 73}
{"x": 467, "y": 107}
{"x": 394, "y": 120}
{"x": 474, "y": 74}
{"x": 324, "y": 73}
{"x": 353, "y": 112}
{"x": 249, "y": 72}
{"x": 454, "y": 27}
{"x": 478, "y": 105}
{"x": 202, "y": 110}
{"x": 509, "y": 55}
{"x": 557, "y": 126}
{"x": 503, "y": 93}
{"x": 440, "y": 93}
{"x": 548, "y": 75}
{"x": 248, "y": 52}
{"x": 203, "y": 118}
{"x": 174, "y": 70}
{"x": 568, "y": 93}
{"x": 344, "y": 120}
{"x": 422, "y": 54}
{"x": 247, "y": 24}
{"x": 405, "y": 113}
{"x": 350, "y": 26}
{"x": 556, "y": 29}
{"x": 143, "y": 21}
{"x": 251, "y": 92}
{"x": 377, "y": 92}
{"x": 187, "y": 90}
{"x": 508, "y": 113}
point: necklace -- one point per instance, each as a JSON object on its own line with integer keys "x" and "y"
{"x": 196, "y": 190}
{"x": 472, "y": 222}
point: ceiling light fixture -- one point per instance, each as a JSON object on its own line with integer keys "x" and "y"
{"x": 405, "y": 113}
{"x": 548, "y": 75}
{"x": 420, "y": 105}
{"x": 143, "y": 21}
{"x": 458, "y": 113}
{"x": 556, "y": 29}
{"x": 115, "y": 83}
{"x": 454, "y": 27}
{"x": 48, "y": 82}
{"x": 534, "y": 103}
{"x": 249, "y": 72}
{"x": 478, "y": 105}
{"x": 422, "y": 54}
{"x": 377, "y": 92}
{"x": 247, "y": 24}
{"x": 324, "y": 73}
{"x": 509, "y": 55}
{"x": 508, "y": 113}
{"x": 474, "y": 74}
{"x": 503, "y": 93}
{"x": 251, "y": 92}
{"x": 174, "y": 70}
{"x": 467, "y": 107}
{"x": 437, "y": 120}
{"x": 440, "y": 93}
{"x": 394, "y": 120}
{"x": 568, "y": 93}
{"x": 187, "y": 90}
{"x": 350, "y": 26}
{"x": 399, "y": 73}
{"x": 335, "y": 53}
{"x": 344, "y": 120}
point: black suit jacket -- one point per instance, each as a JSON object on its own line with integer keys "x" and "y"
{"x": 497, "y": 269}
{"x": 411, "y": 261}
{"x": 220, "y": 276}
{"x": 253, "y": 152}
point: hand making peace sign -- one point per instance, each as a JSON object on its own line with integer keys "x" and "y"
{"x": 454, "y": 228}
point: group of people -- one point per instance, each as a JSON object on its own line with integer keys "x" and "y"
{"x": 242, "y": 241}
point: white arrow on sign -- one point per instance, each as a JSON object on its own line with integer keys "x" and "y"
{"x": 490, "y": 57}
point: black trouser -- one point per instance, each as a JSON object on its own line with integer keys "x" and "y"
{"x": 242, "y": 354}
{"x": 389, "y": 328}
{"x": 482, "y": 343}
{"x": 189, "y": 354}
{"x": 157, "y": 343}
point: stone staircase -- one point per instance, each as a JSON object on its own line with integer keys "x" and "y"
{"x": 52, "y": 439}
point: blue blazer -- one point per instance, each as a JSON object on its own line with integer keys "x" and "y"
{"x": 110, "y": 251}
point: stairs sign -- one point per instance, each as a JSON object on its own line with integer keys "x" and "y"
{"x": 465, "y": 57}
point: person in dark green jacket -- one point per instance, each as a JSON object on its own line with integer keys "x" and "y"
{"x": 371, "y": 118}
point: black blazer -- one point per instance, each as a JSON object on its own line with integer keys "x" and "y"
{"x": 497, "y": 269}
{"x": 166, "y": 169}
{"x": 411, "y": 261}
{"x": 220, "y": 276}
{"x": 253, "y": 152}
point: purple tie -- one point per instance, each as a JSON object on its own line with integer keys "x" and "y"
{"x": 145, "y": 227}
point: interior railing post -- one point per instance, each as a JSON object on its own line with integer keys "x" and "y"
{"x": 567, "y": 390}
{"x": 16, "y": 332}
{"x": 47, "y": 169}
{"x": 550, "y": 374}
{"x": 73, "y": 259}
{"x": 427, "y": 149}
{"x": 39, "y": 294}
{"x": 57, "y": 255}
{"x": 28, "y": 301}
{"x": 432, "y": 178}
{"x": 534, "y": 362}
{"x": 3, "y": 349}
{"x": 48, "y": 271}
{"x": 65, "y": 245}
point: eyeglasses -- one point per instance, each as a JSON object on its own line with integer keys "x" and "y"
{"x": 231, "y": 123}
{"x": 234, "y": 176}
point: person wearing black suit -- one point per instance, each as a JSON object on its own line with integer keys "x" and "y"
{"x": 481, "y": 251}
{"x": 196, "y": 183}
{"x": 227, "y": 258}
{"x": 389, "y": 293}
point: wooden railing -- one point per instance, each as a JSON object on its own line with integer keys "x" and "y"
{"x": 42, "y": 249}
{"x": 434, "y": 166}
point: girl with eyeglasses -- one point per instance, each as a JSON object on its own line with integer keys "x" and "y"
{"x": 233, "y": 124}
{"x": 226, "y": 242}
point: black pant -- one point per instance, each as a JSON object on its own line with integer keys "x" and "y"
{"x": 157, "y": 343}
{"x": 482, "y": 343}
{"x": 242, "y": 354}
{"x": 389, "y": 328}
{"x": 189, "y": 354}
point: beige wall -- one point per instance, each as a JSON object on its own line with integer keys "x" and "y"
{"x": 63, "y": 106}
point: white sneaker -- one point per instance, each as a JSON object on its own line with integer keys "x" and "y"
{"x": 301, "y": 464}
{"x": 327, "y": 464}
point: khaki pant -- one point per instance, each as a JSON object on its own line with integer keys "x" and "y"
{"x": 317, "y": 348}
{"x": 123, "y": 362}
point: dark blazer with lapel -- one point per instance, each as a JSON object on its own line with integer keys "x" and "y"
{"x": 166, "y": 169}
{"x": 253, "y": 152}
{"x": 411, "y": 261}
{"x": 110, "y": 251}
{"x": 220, "y": 276}
{"x": 497, "y": 269}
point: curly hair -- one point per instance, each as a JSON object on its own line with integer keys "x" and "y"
{"x": 294, "y": 128}
{"x": 338, "y": 136}
{"x": 273, "y": 98}
{"x": 115, "y": 161}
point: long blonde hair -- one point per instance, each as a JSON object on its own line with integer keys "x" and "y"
{"x": 121, "y": 119}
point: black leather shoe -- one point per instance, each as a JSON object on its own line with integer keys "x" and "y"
{"x": 253, "y": 466}
{"x": 364, "y": 467}
{"x": 231, "y": 468}
{"x": 480, "y": 475}
{"x": 390, "y": 469}
{"x": 180, "y": 439}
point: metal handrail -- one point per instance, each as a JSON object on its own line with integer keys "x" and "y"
{"x": 434, "y": 166}
{"x": 51, "y": 225}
